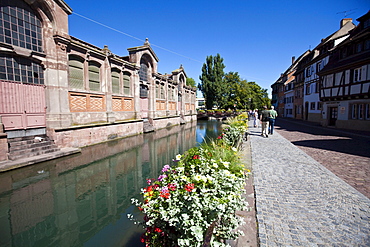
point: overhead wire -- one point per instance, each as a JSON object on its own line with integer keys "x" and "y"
{"x": 131, "y": 36}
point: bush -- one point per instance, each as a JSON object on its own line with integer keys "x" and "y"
{"x": 199, "y": 193}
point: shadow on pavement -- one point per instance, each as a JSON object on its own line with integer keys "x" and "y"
{"x": 343, "y": 141}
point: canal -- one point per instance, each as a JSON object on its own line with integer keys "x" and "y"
{"x": 83, "y": 199}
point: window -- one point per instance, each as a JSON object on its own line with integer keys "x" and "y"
{"x": 19, "y": 69}
{"x": 143, "y": 91}
{"x": 126, "y": 83}
{"x": 367, "y": 44}
{"x": 308, "y": 71}
{"x": 76, "y": 75}
{"x": 157, "y": 90}
{"x": 115, "y": 81}
{"x": 360, "y": 111}
{"x": 367, "y": 111}
{"x": 354, "y": 111}
{"x": 319, "y": 105}
{"x": 367, "y": 23}
{"x": 358, "y": 47}
{"x": 357, "y": 75}
{"x": 20, "y": 26}
{"x": 313, "y": 105}
{"x": 162, "y": 91}
{"x": 308, "y": 89}
{"x": 143, "y": 72}
{"x": 94, "y": 76}
{"x": 320, "y": 65}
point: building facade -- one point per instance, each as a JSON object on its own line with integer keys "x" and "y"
{"x": 345, "y": 81}
{"x": 74, "y": 92}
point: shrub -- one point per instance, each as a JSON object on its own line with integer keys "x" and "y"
{"x": 198, "y": 194}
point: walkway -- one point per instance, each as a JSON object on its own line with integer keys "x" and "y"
{"x": 301, "y": 203}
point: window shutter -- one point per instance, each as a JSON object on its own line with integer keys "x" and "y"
{"x": 94, "y": 78}
{"x": 126, "y": 84}
{"x": 115, "y": 82}
{"x": 75, "y": 73}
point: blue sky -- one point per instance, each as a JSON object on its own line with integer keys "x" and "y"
{"x": 257, "y": 39}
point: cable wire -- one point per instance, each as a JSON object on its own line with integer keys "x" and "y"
{"x": 131, "y": 36}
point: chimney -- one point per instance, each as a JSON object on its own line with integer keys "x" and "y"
{"x": 293, "y": 59}
{"x": 344, "y": 21}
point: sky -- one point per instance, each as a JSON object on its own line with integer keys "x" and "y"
{"x": 256, "y": 38}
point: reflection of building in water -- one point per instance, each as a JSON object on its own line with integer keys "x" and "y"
{"x": 68, "y": 201}
{"x": 76, "y": 93}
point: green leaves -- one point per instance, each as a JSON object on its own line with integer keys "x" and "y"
{"x": 201, "y": 191}
{"x": 229, "y": 91}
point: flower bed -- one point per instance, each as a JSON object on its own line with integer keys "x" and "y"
{"x": 194, "y": 201}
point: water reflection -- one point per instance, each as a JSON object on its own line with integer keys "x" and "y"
{"x": 83, "y": 200}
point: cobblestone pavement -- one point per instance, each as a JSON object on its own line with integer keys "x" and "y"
{"x": 299, "y": 202}
{"x": 345, "y": 153}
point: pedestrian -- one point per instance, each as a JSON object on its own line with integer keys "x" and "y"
{"x": 273, "y": 115}
{"x": 265, "y": 117}
{"x": 255, "y": 118}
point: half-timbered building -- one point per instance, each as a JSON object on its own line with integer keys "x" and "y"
{"x": 345, "y": 81}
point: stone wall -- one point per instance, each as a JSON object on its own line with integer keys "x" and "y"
{"x": 81, "y": 136}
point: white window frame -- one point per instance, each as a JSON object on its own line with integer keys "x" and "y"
{"x": 357, "y": 75}
{"x": 360, "y": 111}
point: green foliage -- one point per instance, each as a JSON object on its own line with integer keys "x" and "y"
{"x": 190, "y": 82}
{"x": 229, "y": 91}
{"x": 234, "y": 129}
{"x": 201, "y": 191}
{"x": 211, "y": 79}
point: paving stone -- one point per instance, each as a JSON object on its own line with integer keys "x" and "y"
{"x": 299, "y": 202}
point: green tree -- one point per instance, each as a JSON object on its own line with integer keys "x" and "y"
{"x": 190, "y": 82}
{"x": 259, "y": 96}
{"x": 211, "y": 79}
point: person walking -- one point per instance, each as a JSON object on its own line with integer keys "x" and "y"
{"x": 255, "y": 118}
{"x": 273, "y": 115}
{"x": 265, "y": 117}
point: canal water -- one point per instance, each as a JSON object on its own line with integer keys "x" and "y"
{"x": 83, "y": 199}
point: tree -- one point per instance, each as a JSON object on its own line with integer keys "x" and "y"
{"x": 190, "y": 82}
{"x": 211, "y": 79}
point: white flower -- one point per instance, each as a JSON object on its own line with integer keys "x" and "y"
{"x": 226, "y": 164}
{"x": 234, "y": 149}
{"x": 197, "y": 177}
{"x": 215, "y": 165}
{"x": 178, "y": 157}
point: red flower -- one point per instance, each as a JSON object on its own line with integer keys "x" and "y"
{"x": 219, "y": 137}
{"x": 148, "y": 189}
{"x": 196, "y": 157}
{"x": 189, "y": 187}
{"x": 165, "y": 195}
{"x": 157, "y": 229}
{"x": 140, "y": 208}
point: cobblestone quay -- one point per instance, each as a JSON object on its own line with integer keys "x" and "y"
{"x": 299, "y": 202}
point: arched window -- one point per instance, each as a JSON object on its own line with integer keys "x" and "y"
{"x": 20, "y": 69}
{"x": 94, "y": 76}
{"x": 126, "y": 83}
{"x": 115, "y": 81}
{"x": 143, "y": 72}
{"x": 76, "y": 72}
{"x": 20, "y": 26}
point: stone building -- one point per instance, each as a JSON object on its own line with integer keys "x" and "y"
{"x": 55, "y": 86}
